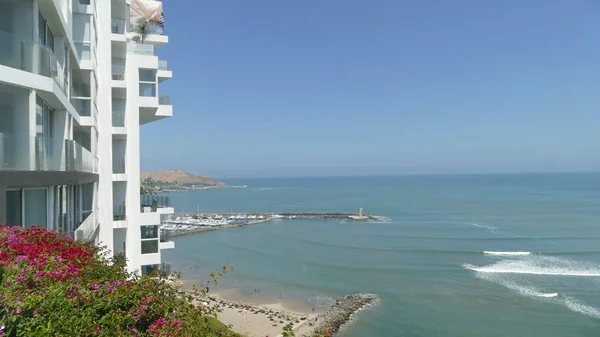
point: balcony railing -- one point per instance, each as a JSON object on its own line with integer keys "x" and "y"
{"x": 118, "y": 165}
{"x": 166, "y": 235}
{"x": 82, "y": 105}
{"x": 147, "y": 89}
{"x": 119, "y": 213}
{"x": 87, "y": 229}
{"x": 155, "y": 201}
{"x": 31, "y": 57}
{"x": 78, "y": 158}
{"x": 84, "y": 51}
{"x": 118, "y": 26}
{"x": 155, "y": 28}
{"x": 140, "y": 49}
{"x": 118, "y": 118}
{"x": 164, "y": 100}
{"x": 37, "y": 153}
{"x": 118, "y": 72}
{"x": 162, "y": 64}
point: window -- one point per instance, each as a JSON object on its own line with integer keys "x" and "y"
{"x": 147, "y": 75}
{"x": 45, "y": 36}
{"x": 149, "y": 246}
{"x": 13, "y": 208}
{"x": 35, "y": 207}
{"x": 147, "y": 78}
{"x": 149, "y": 232}
{"x": 149, "y": 239}
{"x": 44, "y": 128}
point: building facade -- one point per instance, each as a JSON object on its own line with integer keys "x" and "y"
{"x": 77, "y": 80}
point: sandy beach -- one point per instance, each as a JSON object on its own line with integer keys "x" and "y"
{"x": 255, "y": 316}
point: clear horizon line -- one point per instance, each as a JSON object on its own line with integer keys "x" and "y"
{"x": 407, "y": 174}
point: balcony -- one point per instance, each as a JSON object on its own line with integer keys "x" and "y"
{"x": 118, "y": 118}
{"x": 118, "y": 71}
{"x": 119, "y": 213}
{"x": 140, "y": 49}
{"x": 152, "y": 203}
{"x": 164, "y": 100}
{"x": 85, "y": 107}
{"x": 117, "y": 26}
{"x": 166, "y": 235}
{"x": 36, "y": 153}
{"x": 78, "y": 158}
{"x": 31, "y": 57}
{"x": 156, "y": 29}
{"x": 88, "y": 229}
{"x": 163, "y": 72}
{"x": 118, "y": 165}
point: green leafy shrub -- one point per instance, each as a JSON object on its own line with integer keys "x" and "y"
{"x": 53, "y": 286}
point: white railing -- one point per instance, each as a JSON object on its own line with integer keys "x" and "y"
{"x": 87, "y": 230}
{"x": 140, "y": 49}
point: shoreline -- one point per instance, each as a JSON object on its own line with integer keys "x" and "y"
{"x": 255, "y": 316}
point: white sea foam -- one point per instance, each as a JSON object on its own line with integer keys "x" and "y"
{"x": 506, "y": 253}
{"x": 531, "y": 271}
{"x": 525, "y": 290}
{"x": 540, "y": 265}
{"x": 579, "y": 307}
{"x": 503, "y": 272}
{"x": 482, "y": 226}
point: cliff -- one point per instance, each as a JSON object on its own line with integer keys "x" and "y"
{"x": 181, "y": 178}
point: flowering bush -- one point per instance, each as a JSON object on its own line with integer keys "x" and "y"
{"x": 53, "y": 286}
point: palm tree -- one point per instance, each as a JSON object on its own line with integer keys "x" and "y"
{"x": 142, "y": 29}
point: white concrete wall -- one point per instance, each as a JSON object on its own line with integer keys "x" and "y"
{"x": 133, "y": 166}
{"x": 18, "y": 113}
{"x": 104, "y": 91}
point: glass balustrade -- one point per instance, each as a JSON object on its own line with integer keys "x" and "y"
{"x": 118, "y": 118}
{"x": 118, "y": 26}
{"x": 37, "y": 153}
{"x": 164, "y": 100}
{"x": 82, "y": 105}
{"x": 32, "y": 57}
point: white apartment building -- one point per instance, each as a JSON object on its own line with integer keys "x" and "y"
{"x": 76, "y": 83}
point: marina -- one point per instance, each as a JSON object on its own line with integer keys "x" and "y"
{"x": 193, "y": 223}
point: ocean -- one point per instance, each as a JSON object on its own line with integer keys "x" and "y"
{"x": 455, "y": 255}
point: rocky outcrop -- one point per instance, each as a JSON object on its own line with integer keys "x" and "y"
{"x": 340, "y": 313}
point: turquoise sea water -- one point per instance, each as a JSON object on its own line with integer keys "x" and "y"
{"x": 427, "y": 263}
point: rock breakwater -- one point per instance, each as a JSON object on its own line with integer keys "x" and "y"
{"x": 330, "y": 322}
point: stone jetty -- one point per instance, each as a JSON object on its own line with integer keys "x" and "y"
{"x": 329, "y": 322}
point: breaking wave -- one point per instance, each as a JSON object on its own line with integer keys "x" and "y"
{"x": 502, "y": 273}
{"x": 506, "y": 253}
{"x": 539, "y": 265}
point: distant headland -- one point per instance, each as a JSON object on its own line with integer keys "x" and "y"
{"x": 177, "y": 180}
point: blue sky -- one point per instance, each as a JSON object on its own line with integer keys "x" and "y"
{"x": 345, "y": 87}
